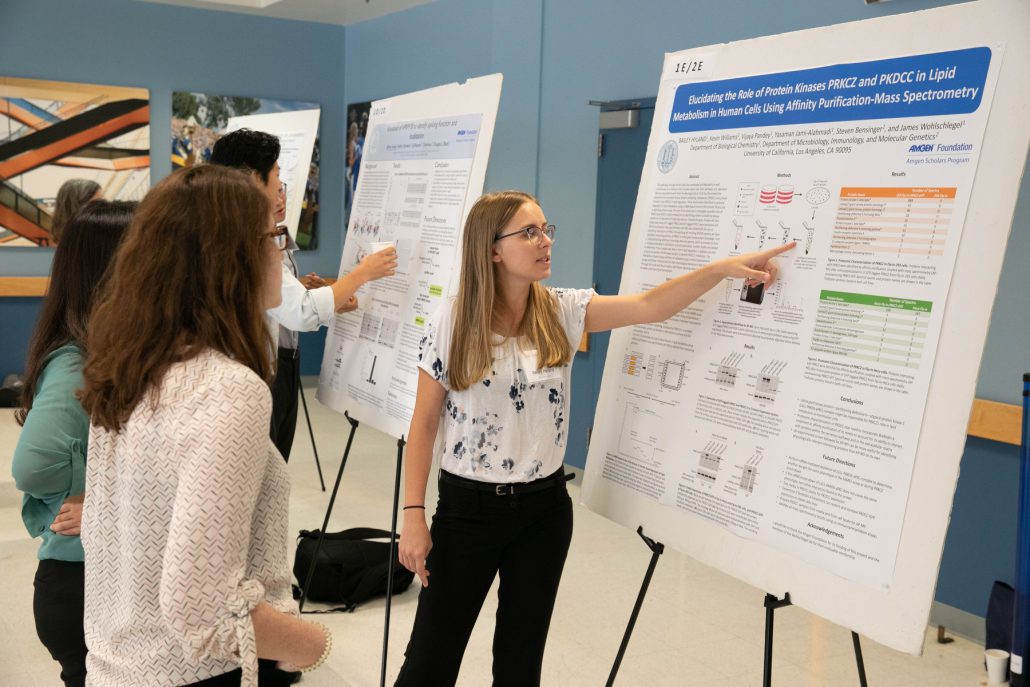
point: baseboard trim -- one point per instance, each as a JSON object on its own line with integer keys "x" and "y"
{"x": 958, "y": 622}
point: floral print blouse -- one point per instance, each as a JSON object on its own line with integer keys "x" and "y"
{"x": 512, "y": 425}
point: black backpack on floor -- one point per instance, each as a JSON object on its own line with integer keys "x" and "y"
{"x": 352, "y": 567}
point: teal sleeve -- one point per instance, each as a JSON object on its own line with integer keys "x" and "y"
{"x": 49, "y": 461}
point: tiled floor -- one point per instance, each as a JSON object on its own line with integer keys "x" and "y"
{"x": 697, "y": 627}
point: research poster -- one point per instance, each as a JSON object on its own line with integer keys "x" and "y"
{"x": 418, "y": 176}
{"x": 791, "y": 415}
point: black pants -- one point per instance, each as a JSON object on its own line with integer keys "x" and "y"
{"x": 284, "y": 400}
{"x": 268, "y": 676}
{"x": 477, "y": 535}
{"x": 57, "y": 607}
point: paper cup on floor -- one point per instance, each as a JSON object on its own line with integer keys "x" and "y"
{"x": 997, "y": 666}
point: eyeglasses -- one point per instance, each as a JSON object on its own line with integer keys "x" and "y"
{"x": 281, "y": 235}
{"x": 533, "y": 233}
{"x": 282, "y": 189}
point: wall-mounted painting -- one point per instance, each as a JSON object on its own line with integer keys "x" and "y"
{"x": 357, "y": 127}
{"x": 199, "y": 119}
{"x": 83, "y": 137}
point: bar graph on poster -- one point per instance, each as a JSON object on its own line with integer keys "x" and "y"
{"x": 781, "y": 433}
{"x": 424, "y": 164}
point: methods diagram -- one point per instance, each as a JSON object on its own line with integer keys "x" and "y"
{"x": 662, "y": 373}
{"x": 780, "y": 195}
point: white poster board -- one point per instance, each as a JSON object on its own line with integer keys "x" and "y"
{"x": 806, "y": 438}
{"x": 423, "y": 165}
{"x": 297, "y": 132}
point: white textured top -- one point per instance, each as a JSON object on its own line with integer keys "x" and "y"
{"x": 512, "y": 425}
{"x": 184, "y": 530}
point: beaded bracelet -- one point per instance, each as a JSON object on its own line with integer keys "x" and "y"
{"x": 325, "y": 652}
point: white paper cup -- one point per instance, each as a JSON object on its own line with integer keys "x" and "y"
{"x": 382, "y": 245}
{"x": 997, "y": 666}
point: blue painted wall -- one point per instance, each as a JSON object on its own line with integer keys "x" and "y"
{"x": 402, "y": 53}
{"x": 556, "y": 55}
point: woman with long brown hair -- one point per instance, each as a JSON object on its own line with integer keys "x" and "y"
{"x": 185, "y": 524}
{"x": 49, "y": 463}
{"x": 494, "y": 379}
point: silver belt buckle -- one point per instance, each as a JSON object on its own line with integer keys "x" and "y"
{"x": 500, "y": 490}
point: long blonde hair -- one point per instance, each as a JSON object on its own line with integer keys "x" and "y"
{"x": 478, "y": 300}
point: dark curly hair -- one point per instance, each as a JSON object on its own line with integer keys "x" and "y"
{"x": 247, "y": 149}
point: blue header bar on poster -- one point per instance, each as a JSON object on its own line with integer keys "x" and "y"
{"x": 944, "y": 83}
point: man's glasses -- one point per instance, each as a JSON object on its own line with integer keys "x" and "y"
{"x": 533, "y": 233}
{"x": 281, "y": 236}
{"x": 282, "y": 189}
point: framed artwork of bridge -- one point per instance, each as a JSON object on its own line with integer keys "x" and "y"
{"x": 52, "y": 132}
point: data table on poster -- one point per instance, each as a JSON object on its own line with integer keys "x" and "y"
{"x": 878, "y": 329}
{"x": 898, "y": 221}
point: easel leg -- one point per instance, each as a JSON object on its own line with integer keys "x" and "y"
{"x": 311, "y": 431}
{"x": 858, "y": 659}
{"x": 393, "y": 557}
{"x": 328, "y": 512}
{"x": 657, "y": 549}
{"x": 771, "y": 604}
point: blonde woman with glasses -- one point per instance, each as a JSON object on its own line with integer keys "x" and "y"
{"x": 494, "y": 382}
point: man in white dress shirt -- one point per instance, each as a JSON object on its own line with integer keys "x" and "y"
{"x": 302, "y": 309}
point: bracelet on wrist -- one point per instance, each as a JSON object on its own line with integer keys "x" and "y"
{"x": 325, "y": 652}
{"x": 411, "y": 507}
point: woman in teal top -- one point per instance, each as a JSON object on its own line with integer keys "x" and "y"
{"x": 50, "y": 460}
{"x": 49, "y": 463}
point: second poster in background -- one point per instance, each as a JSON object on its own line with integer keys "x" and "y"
{"x": 200, "y": 119}
{"x": 419, "y": 160}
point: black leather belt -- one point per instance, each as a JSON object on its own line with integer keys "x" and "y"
{"x": 508, "y": 488}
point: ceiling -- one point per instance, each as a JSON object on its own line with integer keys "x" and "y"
{"x": 340, "y": 12}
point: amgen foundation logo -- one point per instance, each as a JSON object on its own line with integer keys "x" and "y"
{"x": 667, "y": 156}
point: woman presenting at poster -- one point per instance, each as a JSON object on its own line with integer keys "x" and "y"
{"x": 494, "y": 380}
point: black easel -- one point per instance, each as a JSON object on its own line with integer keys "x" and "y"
{"x": 311, "y": 431}
{"x": 392, "y": 560}
{"x": 328, "y": 511}
{"x": 771, "y": 604}
{"x": 657, "y": 549}
{"x": 393, "y": 557}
